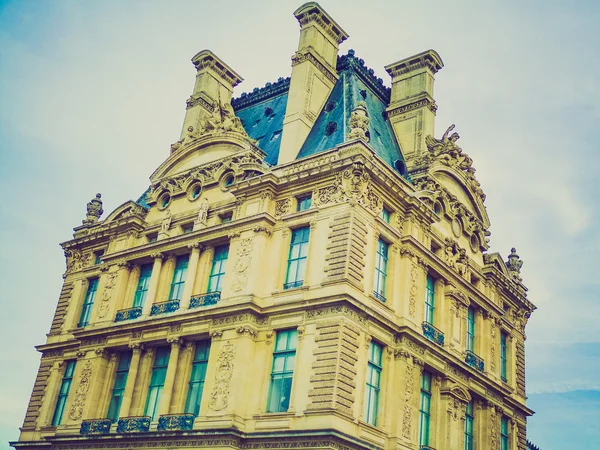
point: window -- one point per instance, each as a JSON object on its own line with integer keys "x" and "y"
{"x": 296, "y": 266}
{"x": 373, "y": 383}
{"x": 217, "y": 271}
{"x": 503, "y": 356}
{"x": 282, "y": 371}
{"x": 99, "y": 254}
{"x": 381, "y": 269}
{"x": 429, "y": 300}
{"x": 471, "y": 330}
{"x": 187, "y": 228}
{"x": 226, "y": 218}
{"x": 157, "y": 381}
{"x": 63, "y": 393}
{"x": 385, "y": 215}
{"x": 197, "y": 377}
{"x": 119, "y": 387}
{"x": 504, "y": 433}
{"x": 425, "y": 409}
{"x": 304, "y": 202}
{"x": 86, "y": 310}
{"x": 142, "y": 287}
{"x": 181, "y": 265}
{"x": 469, "y": 420}
{"x": 152, "y": 238}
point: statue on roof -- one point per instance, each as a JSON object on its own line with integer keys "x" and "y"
{"x": 514, "y": 264}
{"x": 359, "y": 122}
{"x": 94, "y": 210}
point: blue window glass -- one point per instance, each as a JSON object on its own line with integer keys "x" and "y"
{"x": 385, "y": 215}
{"x": 503, "y": 356}
{"x": 88, "y": 303}
{"x": 157, "y": 382}
{"x": 142, "y": 287}
{"x": 304, "y": 202}
{"x": 425, "y": 409}
{"x": 429, "y": 300}
{"x": 296, "y": 266}
{"x": 373, "y": 383}
{"x": 63, "y": 393}
{"x": 217, "y": 271}
{"x": 282, "y": 372}
{"x": 471, "y": 329}
{"x": 197, "y": 378}
{"x": 99, "y": 254}
{"x": 381, "y": 269}
{"x": 227, "y": 218}
{"x": 181, "y": 265}
{"x": 119, "y": 386}
{"x": 504, "y": 437}
{"x": 469, "y": 421}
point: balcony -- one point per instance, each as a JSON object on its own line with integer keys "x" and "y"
{"x": 474, "y": 361}
{"x": 170, "y": 422}
{"x": 378, "y": 296}
{"x": 433, "y": 334}
{"x": 128, "y": 314}
{"x": 208, "y": 299}
{"x": 164, "y": 307}
{"x": 426, "y": 447}
{"x": 139, "y": 424}
{"x": 95, "y": 426}
{"x": 293, "y": 284}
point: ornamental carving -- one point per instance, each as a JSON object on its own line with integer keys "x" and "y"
{"x": 514, "y": 264}
{"x": 76, "y": 260}
{"x": 282, "y": 207}
{"x": 111, "y": 280}
{"x": 408, "y": 395}
{"x": 240, "y": 269}
{"x": 412, "y": 298}
{"x": 94, "y": 210}
{"x": 82, "y": 389}
{"x": 455, "y": 256}
{"x": 359, "y": 122}
{"x": 219, "y": 398}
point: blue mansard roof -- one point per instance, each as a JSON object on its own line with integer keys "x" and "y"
{"x": 262, "y": 112}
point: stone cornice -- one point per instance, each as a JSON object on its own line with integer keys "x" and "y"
{"x": 281, "y": 86}
{"x": 206, "y": 59}
{"x": 309, "y": 54}
{"x": 313, "y": 13}
{"x": 366, "y": 74}
{"x": 428, "y": 59}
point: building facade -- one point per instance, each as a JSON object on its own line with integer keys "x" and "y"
{"x": 308, "y": 269}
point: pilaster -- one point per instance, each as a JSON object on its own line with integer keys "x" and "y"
{"x": 167, "y": 393}
{"x": 153, "y": 284}
{"x": 131, "y": 379}
{"x": 191, "y": 275}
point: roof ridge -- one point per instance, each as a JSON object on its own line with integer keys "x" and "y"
{"x": 349, "y": 61}
{"x": 260, "y": 94}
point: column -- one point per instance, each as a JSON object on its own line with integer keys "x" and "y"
{"x": 191, "y": 275}
{"x": 123, "y": 283}
{"x": 180, "y": 387}
{"x": 131, "y": 378}
{"x": 153, "y": 284}
{"x": 205, "y": 264}
{"x": 165, "y": 400}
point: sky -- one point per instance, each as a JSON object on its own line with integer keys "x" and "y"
{"x": 92, "y": 94}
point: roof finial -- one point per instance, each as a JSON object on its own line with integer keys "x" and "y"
{"x": 359, "y": 122}
{"x": 94, "y": 210}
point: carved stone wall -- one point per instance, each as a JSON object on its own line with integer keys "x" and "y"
{"x": 83, "y": 386}
{"x": 37, "y": 395}
{"x": 61, "y": 308}
{"x": 334, "y": 368}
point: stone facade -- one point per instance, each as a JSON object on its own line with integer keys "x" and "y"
{"x": 215, "y": 190}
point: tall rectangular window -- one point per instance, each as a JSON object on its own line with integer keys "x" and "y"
{"x": 157, "y": 381}
{"x": 381, "y": 269}
{"x": 373, "y": 383}
{"x": 142, "y": 286}
{"x": 471, "y": 329}
{"x": 504, "y": 438}
{"x": 429, "y": 299}
{"x": 90, "y": 295}
{"x": 385, "y": 215}
{"x": 119, "y": 386}
{"x": 282, "y": 372}
{"x": 425, "y": 409}
{"x": 217, "y": 271}
{"x": 296, "y": 266}
{"x": 469, "y": 421}
{"x": 197, "y": 377}
{"x": 181, "y": 265}
{"x": 63, "y": 393}
{"x": 503, "y": 356}
{"x": 304, "y": 202}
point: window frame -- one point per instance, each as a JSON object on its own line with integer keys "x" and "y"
{"x": 155, "y": 390}
{"x": 88, "y": 302}
{"x": 386, "y": 215}
{"x": 141, "y": 290}
{"x": 425, "y": 413}
{"x": 469, "y": 426}
{"x": 219, "y": 262}
{"x": 429, "y": 300}
{"x": 179, "y": 277}
{"x": 300, "y": 262}
{"x": 471, "y": 329}
{"x": 373, "y": 383}
{"x": 63, "y": 393}
{"x": 381, "y": 269}
{"x": 291, "y": 336}
{"x": 504, "y": 356}
{"x": 118, "y": 392}
{"x": 504, "y": 433}
{"x": 301, "y": 201}
{"x": 193, "y": 400}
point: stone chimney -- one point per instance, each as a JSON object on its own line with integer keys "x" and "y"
{"x": 412, "y": 108}
{"x": 313, "y": 76}
{"x": 215, "y": 81}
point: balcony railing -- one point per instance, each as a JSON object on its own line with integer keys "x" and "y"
{"x": 433, "y": 334}
{"x": 128, "y": 314}
{"x": 95, "y": 426}
{"x": 164, "y": 307}
{"x": 210, "y": 298}
{"x": 168, "y": 422}
{"x": 426, "y": 447}
{"x": 379, "y": 297}
{"x": 474, "y": 361}
{"x": 139, "y": 424}
{"x": 293, "y": 284}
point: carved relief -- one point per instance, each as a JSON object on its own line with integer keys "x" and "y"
{"x": 455, "y": 256}
{"x": 282, "y": 207}
{"x": 359, "y": 122}
{"x": 104, "y": 305}
{"x": 408, "y": 395}
{"x": 219, "y": 396}
{"x": 77, "y": 260}
{"x": 82, "y": 389}
{"x": 412, "y": 299}
{"x": 240, "y": 269}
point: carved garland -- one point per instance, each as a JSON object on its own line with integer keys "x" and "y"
{"x": 219, "y": 398}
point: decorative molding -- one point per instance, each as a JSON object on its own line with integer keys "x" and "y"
{"x": 83, "y": 386}
{"x": 219, "y": 398}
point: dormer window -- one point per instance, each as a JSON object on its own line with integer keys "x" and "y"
{"x": 98, "y": 256}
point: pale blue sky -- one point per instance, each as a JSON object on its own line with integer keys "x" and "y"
{"x": 93, "y": 93}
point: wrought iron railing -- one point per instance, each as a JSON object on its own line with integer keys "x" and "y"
{"x": 95, "y": 426}
{"x": 378, "y": 296}
{"x": 175, "y": 422}
{"x": 137, "y": 424}
{"x": 433, "y": 334}
{"x": 210, "y": 298}
{"x": 128, "y": 314}
{"x": 426, "y": 447}
{"x": 474, "y": 361}
{"x": 293, "y": 284}
{"x": 164, "y": 307}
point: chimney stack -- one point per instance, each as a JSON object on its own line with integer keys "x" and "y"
{"x": 313, "y": 77}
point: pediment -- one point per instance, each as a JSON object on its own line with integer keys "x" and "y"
{"x": 126, "y": 210}
{"x": 457, "y": 392}
{"x": 495, "y": 260}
